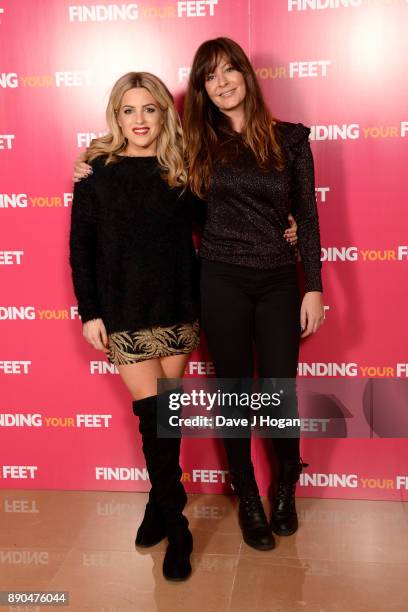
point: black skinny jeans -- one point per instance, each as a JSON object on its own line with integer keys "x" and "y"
{"x": 243, "y": 307}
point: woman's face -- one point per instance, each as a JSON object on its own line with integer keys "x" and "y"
{"x": 225, "y": 87}
{"x": 141, "y": 120}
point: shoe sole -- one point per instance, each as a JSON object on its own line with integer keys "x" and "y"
{"x": 259, "y": 546}
{"x": 178, "y": 579}
{"x": 150, "y": 545}
{"x": 281, "y": 532}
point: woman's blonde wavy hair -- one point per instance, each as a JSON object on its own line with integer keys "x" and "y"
{"x": 170, "y": 143}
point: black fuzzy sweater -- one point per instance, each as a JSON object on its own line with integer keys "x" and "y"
{"x": 131, "y": 253}
{"x": 247, "y": 209}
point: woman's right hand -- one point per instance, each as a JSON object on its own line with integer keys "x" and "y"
{"x": 94, "y": 332}
{"x": 81, "y": 169}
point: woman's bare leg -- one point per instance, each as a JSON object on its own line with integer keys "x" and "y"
{"x": 174, "y": 365}
{"x": 141, "y": 378}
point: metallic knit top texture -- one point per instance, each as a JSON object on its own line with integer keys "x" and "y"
{"x": 248, "y": 207}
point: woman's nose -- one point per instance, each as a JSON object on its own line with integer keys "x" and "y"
{"x": 221, "y": 79}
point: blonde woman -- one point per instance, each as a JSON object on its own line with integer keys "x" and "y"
{"x": 133, "y": 268}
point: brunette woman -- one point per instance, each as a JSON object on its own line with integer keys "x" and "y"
{"x": 252, "y": 170}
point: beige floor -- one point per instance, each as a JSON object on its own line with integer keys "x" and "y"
{"x": 348, "y": 556}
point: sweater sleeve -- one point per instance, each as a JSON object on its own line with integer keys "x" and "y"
{"x": 196, "y": 208}
{"x": 83, "y": 251}
{"x": 187, "y": 274}
{"x": 304, "y": 207}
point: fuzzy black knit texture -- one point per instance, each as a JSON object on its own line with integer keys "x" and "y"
{"x": 247, "y": 209}
{"x": 131, "y": 252}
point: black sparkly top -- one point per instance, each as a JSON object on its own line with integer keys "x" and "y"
{"x": 131, "y": 252}
{"x": 248, "y": 207}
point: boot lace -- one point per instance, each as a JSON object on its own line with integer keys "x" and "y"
{"x": 251, "y": 504}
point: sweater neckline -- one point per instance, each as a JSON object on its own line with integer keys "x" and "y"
{"x": 138, "y": 156}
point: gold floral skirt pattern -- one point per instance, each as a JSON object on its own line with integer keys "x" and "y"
{"x": 129, "y": 347}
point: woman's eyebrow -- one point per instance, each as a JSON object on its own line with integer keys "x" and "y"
{"x": 130, "y": 106}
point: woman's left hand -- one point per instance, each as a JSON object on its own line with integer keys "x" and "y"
{"x": 311, "y": 313}
{"x": 290, "y": 234}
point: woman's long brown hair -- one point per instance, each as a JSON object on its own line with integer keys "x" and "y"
{"x": 206, "y": 127}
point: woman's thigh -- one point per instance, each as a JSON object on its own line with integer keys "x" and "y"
{"x": 277, "y": 326}
{"x": 227, "y": 320}
{"x": 141, "y": 378}
{"x": 174, "y": 365}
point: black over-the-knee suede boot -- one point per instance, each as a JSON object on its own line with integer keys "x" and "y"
{"x": 152, "y": 529}
{"x": 162, "y": 461}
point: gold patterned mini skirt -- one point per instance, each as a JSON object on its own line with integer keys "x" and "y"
{"x": 129, "y": 347}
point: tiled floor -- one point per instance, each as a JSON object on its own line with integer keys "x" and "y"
{"x": 348, "y": 556}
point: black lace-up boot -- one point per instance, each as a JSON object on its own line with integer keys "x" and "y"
{"x": 162, "y": 461}
{"x": 284, "y": 520}
{"x": 252, "y": 519}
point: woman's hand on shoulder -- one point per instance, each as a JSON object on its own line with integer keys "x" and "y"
{"x": 311, "y": 313}
{"x": 94, "y": 332}
{"x": 81, "y": 169}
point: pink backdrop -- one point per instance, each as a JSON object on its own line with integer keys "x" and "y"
{"x": 337, "y": 66}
